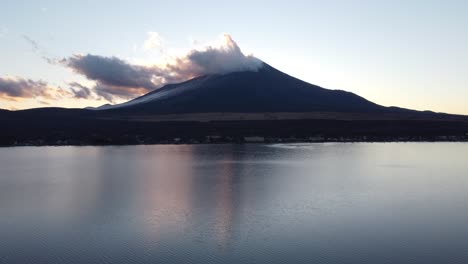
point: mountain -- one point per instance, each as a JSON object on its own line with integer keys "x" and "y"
{"x": 265, "y": 90}
{"x": 265, "y": 105}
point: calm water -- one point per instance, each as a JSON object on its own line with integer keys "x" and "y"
{"x": 310, "y": 203}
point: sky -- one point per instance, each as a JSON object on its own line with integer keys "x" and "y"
{"x": 412, "y": 54}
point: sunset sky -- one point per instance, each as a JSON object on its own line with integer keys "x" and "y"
{"x": 411, "y": 54}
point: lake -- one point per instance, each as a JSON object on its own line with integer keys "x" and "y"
{"x": 279, "y": 203}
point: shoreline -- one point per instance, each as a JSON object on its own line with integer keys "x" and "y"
{"x": 71, "y": 143}
{"x": 70, "y": 130}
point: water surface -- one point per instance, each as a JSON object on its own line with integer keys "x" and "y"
{"x": 292, "y": 203}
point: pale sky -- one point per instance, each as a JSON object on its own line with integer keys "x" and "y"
{"x": 412, "y": 54}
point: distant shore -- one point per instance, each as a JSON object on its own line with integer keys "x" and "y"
{"x": 245, "y": 140}
{"x": 58, "y": 127}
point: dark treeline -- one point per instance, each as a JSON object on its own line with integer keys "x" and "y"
{"x": 34, "y": 129}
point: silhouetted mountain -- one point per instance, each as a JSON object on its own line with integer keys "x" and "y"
{"x": 266, "y": 90}
{"x": 265, "y": 104}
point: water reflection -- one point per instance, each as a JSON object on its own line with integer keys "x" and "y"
{"x": 166, "y": 190}
{"x": 226, "y": 204}
{"x": 191, "y": 194}
{"x": 305, "y": 203}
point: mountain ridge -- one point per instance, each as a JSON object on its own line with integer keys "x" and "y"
{"x": 264, "y": 90}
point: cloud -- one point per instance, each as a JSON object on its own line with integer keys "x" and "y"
{"x": 116, "y": 78}
{"x": 79, "y": 91}
{"x": 219, "y": 59}
{"x": 14, "y": 88}
{"x": 17, "y": 87}
{"x": 111, "y": 71}
{"x": 41, "y": 51}
{"x": 111, "y": 92}
{"x": 35, "y": 47}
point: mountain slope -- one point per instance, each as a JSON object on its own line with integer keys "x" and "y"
{"x": 267, "y": 90}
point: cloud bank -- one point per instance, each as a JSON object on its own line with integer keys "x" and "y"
{"x": 14, "y": 88}
{"x": 111, "y": 71}
{"x": 116, "y": 78}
